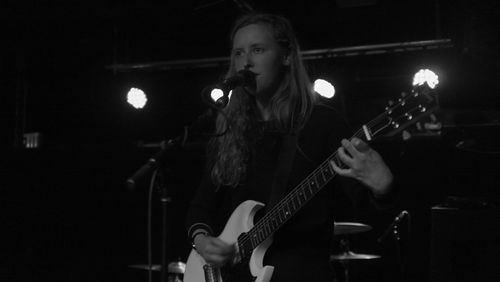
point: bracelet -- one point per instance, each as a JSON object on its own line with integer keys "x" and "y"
{"x": 204, "y": 232}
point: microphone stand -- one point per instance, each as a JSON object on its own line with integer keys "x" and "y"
{"x": 164, "y": 199}
{"x": 394, "y": 230}
{"x": 154, "y": 162}
{"x": 153, "y": 165}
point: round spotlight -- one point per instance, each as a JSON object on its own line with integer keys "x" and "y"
{"x": 217, "y": 93}
{"x": 137, "y": 98}
{"x": 426, "y": 76}
{"x": 324, "y": 88}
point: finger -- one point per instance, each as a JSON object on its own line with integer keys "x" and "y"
{"x": 360, "y": 145}
{"x": 216, "y": 260}
{"x": 350, "y": 148}
{"x": 223, "y": 245}
{"x": 341, "y": 171}
{"x": 344, "y": 157}
{"x": 222, "y": 248}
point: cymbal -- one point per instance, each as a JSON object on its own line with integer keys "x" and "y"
{"x": 173, "y": 267}
{"x": 343, "y": 228}
{"x": 348, "y": 256}
{"x": 154, "y": 267}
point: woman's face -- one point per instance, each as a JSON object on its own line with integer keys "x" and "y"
{"x": 255, "y": 48}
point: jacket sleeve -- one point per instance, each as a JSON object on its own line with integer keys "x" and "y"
{"x": 205, "y": 208}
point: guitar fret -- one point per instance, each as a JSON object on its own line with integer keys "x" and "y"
{"x": 287, "y": 212}
{"x": 319, "y": 180}
{"x": 328, "y": 171}
{"x": 303, "y": 195}
{"x": 252, "y": 243}
{"x": 265, "y": 227}
{"x": 288, "y": 209}
{"x": 305, "y": 191}
{"x": 309, "y": 191}
{"x": 254, "y": 239}
{"x": 315, "y": 184}
{"x": 273, "y": 222}
{"x": 322, "y": 175}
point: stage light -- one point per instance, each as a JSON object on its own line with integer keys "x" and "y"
{"x": 324, "y": 88}
{"x": 217, "y": 93}
{"x": 426, "y": 76}
{"x": 137, "y": 98}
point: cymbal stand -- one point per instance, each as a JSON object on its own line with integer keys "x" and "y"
{"x": 397, "y": 239}
{"x": 344, "y": 246}
{"x": 164, "y": 200}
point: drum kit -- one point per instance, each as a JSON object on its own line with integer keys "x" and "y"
{"x": 341, "y": 231}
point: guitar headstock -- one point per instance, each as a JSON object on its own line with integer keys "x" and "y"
{"x": 410, "y": 108}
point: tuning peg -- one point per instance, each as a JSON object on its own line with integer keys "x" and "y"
{"x": 390, "y": 103}
{"x": 418, "y": 125}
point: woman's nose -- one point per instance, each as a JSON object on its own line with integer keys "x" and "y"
{"x": 248, "y": 61}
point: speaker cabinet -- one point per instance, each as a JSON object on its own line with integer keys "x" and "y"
{"x": 465, "y": 244}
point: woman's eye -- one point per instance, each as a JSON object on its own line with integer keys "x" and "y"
{"x": 258, "y": 50}
{"x": 238, "y": 53}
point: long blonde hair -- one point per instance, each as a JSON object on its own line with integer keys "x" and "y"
{"x": 290, "y": 106}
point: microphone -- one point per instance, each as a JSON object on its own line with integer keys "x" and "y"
{"x": 242, "y": 78}
{"x": 394, "y": 223}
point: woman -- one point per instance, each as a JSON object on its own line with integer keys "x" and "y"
{"x": 242, "y": 162}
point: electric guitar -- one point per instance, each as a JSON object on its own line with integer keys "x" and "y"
{"x": 252, "y": 240}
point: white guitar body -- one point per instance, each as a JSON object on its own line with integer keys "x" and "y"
{"x": 241, "y": 221}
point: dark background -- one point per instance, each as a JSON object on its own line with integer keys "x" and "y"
{"x": 65, "y": 212}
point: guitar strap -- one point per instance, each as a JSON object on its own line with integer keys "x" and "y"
{"x": 283, "y": 168}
